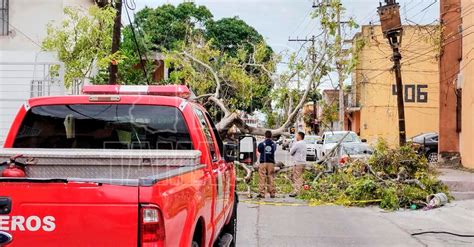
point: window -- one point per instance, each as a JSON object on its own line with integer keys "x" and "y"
{"x": 336, "y": 137}
{"x": 4, "y": 18}
{"x": 220, "y": 144}
{"x": 104, "y": 126}
{"x": 207, "y": 132}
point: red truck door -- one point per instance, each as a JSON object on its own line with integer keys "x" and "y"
{"x": 227, "y": 169}
{"x": 219, "y": 170}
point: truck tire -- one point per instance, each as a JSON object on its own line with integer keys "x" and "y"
{"x": 231, "y": 227}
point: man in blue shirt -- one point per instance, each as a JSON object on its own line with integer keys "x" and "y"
{"x": 266, "y": 169}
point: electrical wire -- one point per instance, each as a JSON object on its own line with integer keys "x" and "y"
{"x": 131, "y": 4}
{"x": 142, "y": 63}
{"x": 423, "y": 10}
{"x": 444, "y": 232}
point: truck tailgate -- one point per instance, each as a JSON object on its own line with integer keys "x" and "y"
{"x": 70, "y": 214}
{"x": 85, "y": 197}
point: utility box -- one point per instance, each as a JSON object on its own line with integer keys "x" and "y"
{"x": 390, "y": 18}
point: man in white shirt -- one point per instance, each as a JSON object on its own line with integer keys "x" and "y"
{"x": 298, "y": 155}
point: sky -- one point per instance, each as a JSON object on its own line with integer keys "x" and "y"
{"x": 277, "y": 20}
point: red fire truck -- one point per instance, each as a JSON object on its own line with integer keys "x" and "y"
{"x": 117, "y": 166}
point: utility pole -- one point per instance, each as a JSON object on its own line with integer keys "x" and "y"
{"x": 340, "y": 74}
{"x": 113, "y": 69}
{"x": 338, "y": 62}
{"x": 313, "y": 60}
{"x": 393, "y": 31}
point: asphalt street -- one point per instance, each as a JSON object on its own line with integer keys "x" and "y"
{"x": 270, "y": 225}
{"x": 289, "y": 222}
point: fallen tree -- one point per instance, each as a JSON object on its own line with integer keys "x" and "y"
{"x": 391, "y": 179}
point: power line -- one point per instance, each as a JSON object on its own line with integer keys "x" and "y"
{"x": 301, "y": 23}
{"x": 423, "y": 10}
{"x": 142, "y": 63}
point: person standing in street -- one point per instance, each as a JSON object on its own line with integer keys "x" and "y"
{"x": 298, "y": 155}
{"x": 266, "y": 169}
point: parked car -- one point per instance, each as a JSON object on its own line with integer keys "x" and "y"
{"x": 118, "y": 166}
{"x": 351, "y": 151}
{"x": 311, "y": 145}
{"x": 426, "y": 144}
{"x": 287, "y": 142}
{"x": 331, "y": 138}
{"x": 279, "y": 141}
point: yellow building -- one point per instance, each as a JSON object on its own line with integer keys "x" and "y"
{"x": 467, "y": 84}
{"x": 306, "y": 118}
{"x": 374, "y": 108}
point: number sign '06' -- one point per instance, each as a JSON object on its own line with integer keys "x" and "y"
{"x": 413, "y": 93}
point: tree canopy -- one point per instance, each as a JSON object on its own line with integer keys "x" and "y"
{"x": 228, "y": 34}
{"x": 82, "y": 41}
{"x": 168, "y": 25}
{"x": 225, "y": 45}
{"x": 226, "y": 62}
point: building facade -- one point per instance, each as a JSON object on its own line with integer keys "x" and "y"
{"x": 24, "y": 68}
{"x": 328, "y": 110}
{"x": 466, "y": 87}
{"x": 450, "y": 97}
{"x": 372, "y": 107}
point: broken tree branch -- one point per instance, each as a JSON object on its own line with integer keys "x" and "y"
{"x": 209, "y": 68}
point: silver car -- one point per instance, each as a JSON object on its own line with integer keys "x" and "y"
{"x": 350, "y": 151}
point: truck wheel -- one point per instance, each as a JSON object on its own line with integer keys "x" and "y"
{"x": 231, "y": 227}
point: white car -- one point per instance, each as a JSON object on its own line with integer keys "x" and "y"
{"x": 311, "y": 146}
{"x": 331, "y": 138}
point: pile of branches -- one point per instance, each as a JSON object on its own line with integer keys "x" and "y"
{"x": 390, "y": 178}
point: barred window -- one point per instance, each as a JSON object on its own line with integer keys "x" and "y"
{"x": 4, "y": 17}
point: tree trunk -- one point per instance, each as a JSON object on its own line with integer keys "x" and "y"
{"x": 113, "y": 69}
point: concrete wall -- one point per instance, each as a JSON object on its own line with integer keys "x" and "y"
{"x": 330, "y": 97}
{"x": 467, "y": 81}
{"x": 449, "y": 67}
{"x": 28, "y": 20}
{"x": 374, "y": 80}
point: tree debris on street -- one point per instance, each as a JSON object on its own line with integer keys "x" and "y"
{"x": 390, "y": 178}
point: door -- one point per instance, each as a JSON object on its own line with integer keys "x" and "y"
{"x": 226, "y": 167}
{"x": 218, "y": 169}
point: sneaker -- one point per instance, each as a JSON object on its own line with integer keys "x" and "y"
{"x": 260, "y": 197}
{"x": 294, "y": 194}
{"x": 272, "y": 196}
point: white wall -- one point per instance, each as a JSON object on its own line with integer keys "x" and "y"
{"x": 28, "y": 20}
{"x": 21, "y": 58}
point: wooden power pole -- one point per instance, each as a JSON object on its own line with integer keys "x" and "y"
{"x": 339, "y": 66}
{"x": 313, "y": 60}
{"x": 393, "y": 31}
{"x": 113, "y": 69}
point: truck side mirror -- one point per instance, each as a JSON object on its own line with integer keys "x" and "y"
{"x": 247, "y": 149}
{"x": 230, "y": 152}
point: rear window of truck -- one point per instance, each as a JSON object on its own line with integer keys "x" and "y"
{"x": 104, "y": 127}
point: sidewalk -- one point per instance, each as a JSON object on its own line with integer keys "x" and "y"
{"x": 455, "y": 217}
{"x": 460, "y": 183}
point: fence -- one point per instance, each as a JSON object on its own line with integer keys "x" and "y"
{"x": 20, "y": 81}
